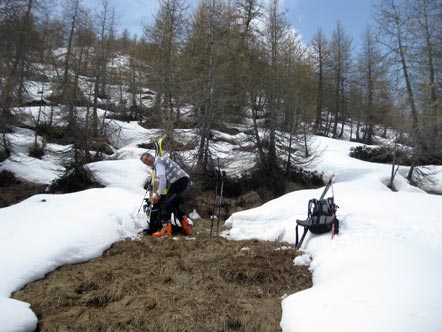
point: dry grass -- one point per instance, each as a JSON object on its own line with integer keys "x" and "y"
{"x": 15, "y": 193}
{"x": 170, "y": 285}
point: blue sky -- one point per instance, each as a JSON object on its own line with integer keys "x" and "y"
{"x": 307, "y": 15}
{"x": 304, "y": 15}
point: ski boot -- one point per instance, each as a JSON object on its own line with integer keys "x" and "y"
{"x": 165, "y": 231}
{"x": 186, "y": 229}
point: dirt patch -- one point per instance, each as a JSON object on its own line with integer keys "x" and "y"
{"x": 14, "y": 190}
{"x": 204, "y": 203}
{"x": 182, "y": 284}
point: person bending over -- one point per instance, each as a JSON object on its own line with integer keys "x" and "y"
{"x": 178, "y": 183}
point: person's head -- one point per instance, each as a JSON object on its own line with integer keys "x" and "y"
{"x": 147, "y": 159}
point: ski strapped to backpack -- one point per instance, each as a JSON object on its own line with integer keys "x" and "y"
{"x": 321, "y": 216}
{"x": 219, "y": 187}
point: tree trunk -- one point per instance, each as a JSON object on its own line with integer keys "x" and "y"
{"x": 203, "y": 151}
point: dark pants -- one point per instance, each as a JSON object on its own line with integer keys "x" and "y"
{"x": 171, "y": 202}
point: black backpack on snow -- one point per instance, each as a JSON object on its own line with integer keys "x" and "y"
{"x": 321, "y": 216}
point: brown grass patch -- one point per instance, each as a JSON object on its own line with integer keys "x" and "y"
{"x": 14, "y": 190}
{"x": 185, "y": 284}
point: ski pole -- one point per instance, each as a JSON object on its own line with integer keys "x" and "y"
{"x": 214, "y": 206}
{"x": 145, "y": 194}
{"x": 223, "y": 174}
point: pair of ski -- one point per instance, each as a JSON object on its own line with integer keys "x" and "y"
{"x": 148, "y": 204}
{"x": 218, "y": 198}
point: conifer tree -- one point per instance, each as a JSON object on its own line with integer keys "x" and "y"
{"x": 373, "y": 83}
{"x": 340, "y": 48}
{"x": 321, "y": 58}
{"x": 166, "y": 35}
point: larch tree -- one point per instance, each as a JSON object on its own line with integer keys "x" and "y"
{"x": 18, "y": 49}
{"x": 201, "y": 74}
{"x": 426, "y": 32}
{"x": 250, "y": 13}
{"x": 340, "y": 53}
{"x": 299, "y": 103}
{"x": 166, "y": 36}
{"x": 68, "y": 88}
{"x": 392, "y": 23}
{"x": 276, "y": 39}
{"x": 372, "y": 78}
{"x": 321, "y": 56}
{"x": 102, "y": 53}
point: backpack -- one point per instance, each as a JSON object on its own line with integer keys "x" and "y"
{"x": 321, "y": 217}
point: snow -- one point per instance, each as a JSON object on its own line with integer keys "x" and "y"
{"x": 32, "y": 169}
{"x": 382, "y": 271}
